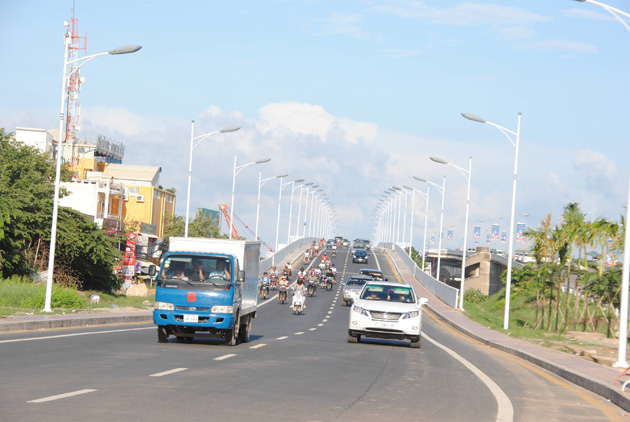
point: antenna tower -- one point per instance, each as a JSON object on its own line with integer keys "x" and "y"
{"x": 77, "y": 43}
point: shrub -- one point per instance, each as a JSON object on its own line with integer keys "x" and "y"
{"x": 474, "y": 296}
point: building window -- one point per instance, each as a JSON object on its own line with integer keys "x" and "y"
{"x": 158, "y": 194}
{"x": 133, "y": 190}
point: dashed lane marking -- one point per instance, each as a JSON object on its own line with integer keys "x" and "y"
{"x": 312, "y": 329}
{"x": 320, "y": 325}
{"x": 172, "y": 371}
{"x": 299, "y": 333}
{"x": 258, "y": 346}
{"x": 282, "y": 338}
{"x": 229, "y": 355}
{"x": 62, "y": 396}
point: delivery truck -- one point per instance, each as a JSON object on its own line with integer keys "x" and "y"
{"x": 207, "y": 288}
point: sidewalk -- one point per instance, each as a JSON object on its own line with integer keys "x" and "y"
{"x": 85, "y": 319}
{"x": 591, "y": 376}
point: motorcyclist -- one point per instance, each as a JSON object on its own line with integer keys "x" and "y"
{"x": 334, "y": 270}
{"x": 274, "y": 272}
{"x": 299, "y": 288}
{"x": 331, "y": 274}
{"x": 312, "y": 277}
{"x": 289, "y": 268}
{"x": 264, "y": 281}
{"x": 301, "y": 274}
{"x": 284, "y": 282}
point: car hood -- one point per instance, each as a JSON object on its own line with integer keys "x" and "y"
{"x": 385, "y": 306}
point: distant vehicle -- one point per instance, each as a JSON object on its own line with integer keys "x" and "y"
{"x": 360, "y": 255}
{"x": 353, "y": 286}
{"x": 375, "y": 274}
{"x": 387, "y": 310}
{"x": 345, "y": 243}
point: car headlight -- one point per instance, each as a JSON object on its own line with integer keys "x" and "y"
{"x": 411, "y": 314}
{"x": 222, "y": 309}
{"x": 361, "y": 311}
{"x": 164, "y": 306}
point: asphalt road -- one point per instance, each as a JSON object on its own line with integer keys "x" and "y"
{"x": 295, "y": 368}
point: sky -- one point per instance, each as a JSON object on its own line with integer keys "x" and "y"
{"x": 354, "y": 96}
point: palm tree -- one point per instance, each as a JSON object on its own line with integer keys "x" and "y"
{"x": 573, "y": 227}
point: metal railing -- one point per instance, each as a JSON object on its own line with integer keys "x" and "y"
{"x": 442, "y": 291}
{"x": 279, "y": 257}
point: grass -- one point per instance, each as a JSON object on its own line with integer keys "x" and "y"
{"x": 18, "y": 297}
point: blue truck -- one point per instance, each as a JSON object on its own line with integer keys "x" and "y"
{"x": 207, "y": 288}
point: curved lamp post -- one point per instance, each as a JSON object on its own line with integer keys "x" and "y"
{"x": 467, "y": 175}
{"x": 260, "y": 184}
{"x": 293, "y": 188}
{"x": 515, "y": 142}
{"x": 297, "y": 231}
{"x": 64, "y": 81}
{"x": 192, "y": 146}
{"x": 625, "y": 275}
{"x": 237, "y": 170}
{"x": 426, "y": 212}
{"x": 442, "y": 190}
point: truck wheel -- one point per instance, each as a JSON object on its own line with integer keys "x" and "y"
{"x": 416, "y": 344}
{"x": 162, "y": 334}
{"x": 231, "y": 336}
{"x": 245, "y": 330}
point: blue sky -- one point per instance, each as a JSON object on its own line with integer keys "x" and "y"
{"x": 354, "y": 96}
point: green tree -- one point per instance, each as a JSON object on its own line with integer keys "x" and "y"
{"x": 200, "y": 226}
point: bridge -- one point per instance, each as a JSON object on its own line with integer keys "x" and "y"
{"x": 483, "y": 269}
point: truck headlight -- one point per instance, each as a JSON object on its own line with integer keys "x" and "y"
{"x": 411, "y": 314}
{"x": 361, "y": 311}
{"x": 222, "y": 309}
{"x": 164, "y": 306}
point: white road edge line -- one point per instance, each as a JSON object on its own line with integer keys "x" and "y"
{"x": 61, "y": 396}
{"x": 505, "y": 413}
{"x": 172, "y": 371}
{"x": 229, "y": 355}
{"x": 75, "y": 334}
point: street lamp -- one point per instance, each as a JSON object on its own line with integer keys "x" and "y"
{"x": 237, "y": 170}
{"x": 297, "y": 232}
{"x": 625, "y": 275}
{"x": 260, "y": 184}
{"x": 426, "y": 213}
{"x": 293, "y": 188}
{"x": 192, "y": 146}
{"x": 515, "y": 142}
{"x": 442, "y": 190}
{"x": 53, "y": 230}
{"x": 306, "y": 208}
{"x": 282, "y": 186}
{"x": 467, "y": 176}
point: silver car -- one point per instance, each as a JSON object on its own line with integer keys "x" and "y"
{"x": 352, "y": 288}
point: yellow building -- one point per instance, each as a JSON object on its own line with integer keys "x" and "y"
{"x": 144, "y": 201}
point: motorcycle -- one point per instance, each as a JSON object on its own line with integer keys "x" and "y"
{"x": 298, "y": 303}
{"x": 282, "y": 294}
{"x": 311, "y": 288}
{"x": 334, "y": 253}
{"x": 288, "y": 270}
{"x": 322, "y": 281}
{"x": 264, "y": 290}
{"x": 322, "y": 266}
{"x": 273, "y": 280}
{"x": 306, "y": 259}
{"x": 329, "y": 283}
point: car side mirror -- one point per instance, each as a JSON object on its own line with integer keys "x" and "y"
{"x": 423, "y": 301}
{"x": 152, "y": 270}
{"x": 240, "y": 276}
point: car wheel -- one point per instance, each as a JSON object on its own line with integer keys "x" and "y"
{"x": 416, "y": 344}
{"x": 344, "y": 303}
{"x": 353, "y": 339}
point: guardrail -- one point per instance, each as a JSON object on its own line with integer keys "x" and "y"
{"x": 444, "y": 292}
{"x": 278, "y": 257}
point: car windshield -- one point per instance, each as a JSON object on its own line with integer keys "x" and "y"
{"x": 355, "y": 282}
{"x": 388, "y": 293}
{"x": 197, "y": 269}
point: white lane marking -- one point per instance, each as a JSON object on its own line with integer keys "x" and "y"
{"x": 375, "y": 259}
{"x": 75, "y": 334}
{"x": 282, "y": 338}
{"x": 299, "y": 333}
{"x": 61, "y": 396}
{"x": 506, "y": 411}
{"x": 258, "y": 346}
{"x": 312, "y": 329}
{"x": 325, "y": 320}
{"x": 172, "y": 371}
{"x": 320, "y": 325}
{"x": 229, "y": 355}
{"x": 330, "y": 312}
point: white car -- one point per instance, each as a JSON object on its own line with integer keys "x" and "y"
{"x": 387, "y": 310}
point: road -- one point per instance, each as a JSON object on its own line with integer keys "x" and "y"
{"x": 295, "y": 368}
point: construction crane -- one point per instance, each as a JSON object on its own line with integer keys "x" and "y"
{"x": 226, "y": 213}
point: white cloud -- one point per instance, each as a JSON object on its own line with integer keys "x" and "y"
{"x": 599, "y": 172}
{"x": 588, "y": 14}
{"x": 347, "y": 24}
{"x": 466, "y": 14}
{"x": 560, "y": 45}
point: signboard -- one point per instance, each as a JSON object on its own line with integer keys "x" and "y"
{"x": 503, "y": 237}
{"x": 110, "y": 226}
{"x": 212, "y": 215}
{"x": 477, "y": 233}
{"x": 129, "y": 259}
{"x": 147, "y": 228}
{"x": 488, "y": 240}
{"x": 520, "y": 232}
{"x": 449, "y": 235}
{"x": 495, "y": 231}
{"x": 433, "y": 239}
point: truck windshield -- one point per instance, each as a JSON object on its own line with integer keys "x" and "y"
{"x": 197, "y": 270}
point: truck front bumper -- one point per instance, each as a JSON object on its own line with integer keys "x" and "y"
{"x": 205, "y": 320}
